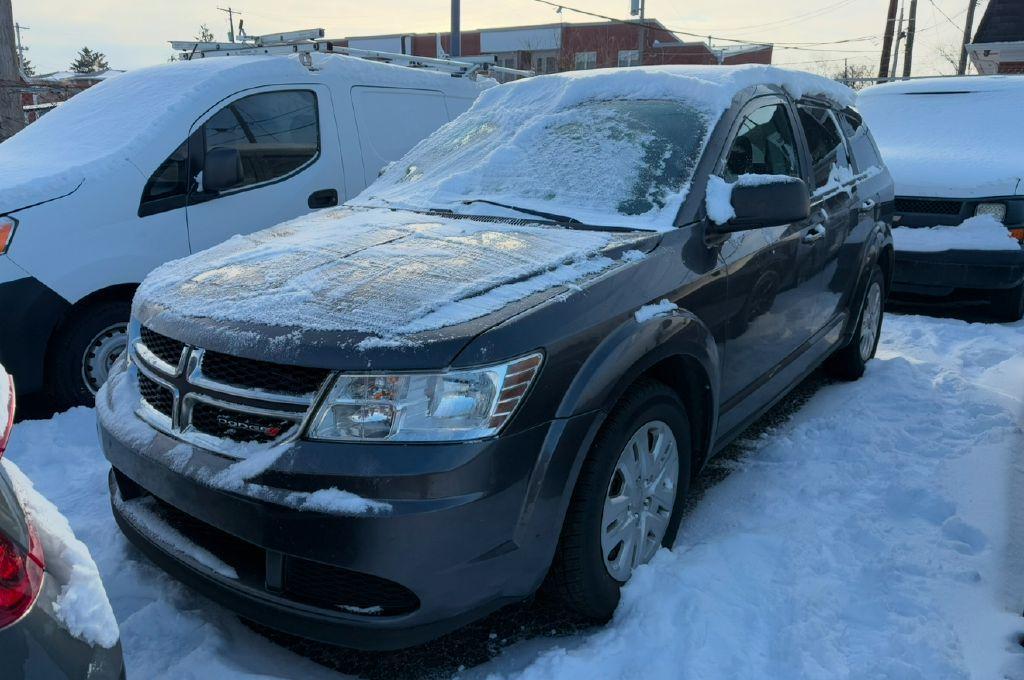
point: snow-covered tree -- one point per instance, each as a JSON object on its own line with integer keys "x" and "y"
{"x": 88, "y": 61}
{"x": 205, "y": 34}
{"x": 27, "y": 68}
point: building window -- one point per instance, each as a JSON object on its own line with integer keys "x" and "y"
{"x": 544, "y": 65}
{"x": 586, "y": 60}
{"x": 629, "y": 57}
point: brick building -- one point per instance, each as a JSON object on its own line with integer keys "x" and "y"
{"x": 550, "y": 48}
{"x": 998, "y": 45}
{"x": 42, "y": 93}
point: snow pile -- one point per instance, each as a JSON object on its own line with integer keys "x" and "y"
{"x": 373, "y": 271}
{"x": 982, "y": 232}
{"x": 718, "y": 196}
{"x": 336, "y": 501}
{"x": 82, "y": 605}
{"x": 141, "y": 513}
{"x": 566, "y": 143}
{"x": 648, "y": 312}
{"x": 949, "y": 137}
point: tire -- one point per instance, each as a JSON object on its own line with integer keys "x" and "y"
{"x": 83, "y": 349}
{"x": 1008, "y": 304}
{"x": 849, "y": 362}
{"x": 579, "y": 575}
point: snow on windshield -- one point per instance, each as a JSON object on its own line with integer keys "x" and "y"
{"x": 941, "y": 139}
{"x": 614, "y": 147}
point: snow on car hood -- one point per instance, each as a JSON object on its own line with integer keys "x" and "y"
{"x": 950, "y": 137}
{"x": 371, "y": 279}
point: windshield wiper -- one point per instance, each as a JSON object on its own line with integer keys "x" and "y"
{"x": 554, "y": 217}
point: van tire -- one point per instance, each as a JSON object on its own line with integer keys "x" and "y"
{"x": 100, "y": 326}
{"x": 850, "y": 361}
{"x": 578, "y": 575}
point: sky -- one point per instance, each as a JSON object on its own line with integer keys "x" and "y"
{"x": 135, "y": 34}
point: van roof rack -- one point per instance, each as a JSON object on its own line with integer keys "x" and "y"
{"x": 306, "y": 42}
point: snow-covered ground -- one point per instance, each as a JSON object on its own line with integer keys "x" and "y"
{"x": 876, "y": 533}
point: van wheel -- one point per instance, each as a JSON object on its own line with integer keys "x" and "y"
{"x": 84, "y": 349}
{"x": 1008, "y": 304}
{"x": 628, "y": 500}
{"x": 849, "y": 362}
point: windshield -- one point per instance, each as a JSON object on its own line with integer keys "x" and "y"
{"x": 614, "y": 163}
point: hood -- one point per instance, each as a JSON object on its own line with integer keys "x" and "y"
{"x": 354, "y": 288}
{"x": 950, "y": 137}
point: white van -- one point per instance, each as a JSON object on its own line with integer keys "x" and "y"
{"x": 161, "y": 162}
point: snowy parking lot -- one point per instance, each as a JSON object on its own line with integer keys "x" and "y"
{"x": 870, "y": 533}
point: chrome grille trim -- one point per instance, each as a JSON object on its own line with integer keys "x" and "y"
{"x": 188, "y": 386}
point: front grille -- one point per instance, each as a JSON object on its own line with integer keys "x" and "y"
{"x": 166, "y": 349}
{"x": 327, "y": 586}
{"x": 928, "y": 206}
{"x": 156, "y": 395}
{"x": 262, "y": 375}
{"x": 236, "y": 425}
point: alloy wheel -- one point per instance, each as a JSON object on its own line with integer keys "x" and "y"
{"x": 870, "y": 320}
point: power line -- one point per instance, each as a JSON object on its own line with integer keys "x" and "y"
{"x": 792, "y": 19}
{"x": 806, "y": 46}
{"x": 951, "y": 22}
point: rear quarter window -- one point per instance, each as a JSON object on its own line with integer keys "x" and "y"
{"x": 862, "y": 144}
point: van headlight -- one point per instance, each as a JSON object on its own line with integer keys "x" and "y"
{"x": 996, "y": 210}
{"x": 420, "y": 407}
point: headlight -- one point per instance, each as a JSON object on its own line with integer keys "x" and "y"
{"x": 418, "y": 407}
{"x": 996, "y": 210}
{"x": 7, "y": 227}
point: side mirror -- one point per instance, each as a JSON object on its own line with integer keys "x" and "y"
{"x": 766, "y": 201}
{"x": 222, "y": 169}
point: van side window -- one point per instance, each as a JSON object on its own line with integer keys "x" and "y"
{"x": 865, "y": 152}
{"x": 764, "y": 145}
{"x": 170, "y": 179}
{"x": 275, "y": 133}
{"x": 828, "y": 150}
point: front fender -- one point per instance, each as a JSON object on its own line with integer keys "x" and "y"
{"x": 633, "y": 348}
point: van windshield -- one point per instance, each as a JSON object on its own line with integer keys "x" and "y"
{"x": 616, "y": 163}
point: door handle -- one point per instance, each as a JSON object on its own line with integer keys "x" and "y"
{"x": 815, "y": 233}
{"x": 325, "y": 198}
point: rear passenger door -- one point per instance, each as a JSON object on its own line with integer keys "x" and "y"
{"x": 391, "y": 120}
{"x": 833, "y": 196}
{"x": 291, "y": 163}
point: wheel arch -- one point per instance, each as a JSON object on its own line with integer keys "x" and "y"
{"x": 122, "y": 292}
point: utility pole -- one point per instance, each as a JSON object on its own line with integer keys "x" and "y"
{"x": 12, "y": 116}
{"x": 968, "y": 27}
{"x": 456, "y": 41}
{"x": 231, "y": 21}
{"x": 896, "y": 50}
{"x": 18, "y": 28}
{"x": 890, "y": 24}
{"x": 637, "y": 8}
{"x": 908, "y": 60}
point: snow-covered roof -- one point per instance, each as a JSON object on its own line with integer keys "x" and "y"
{"x": 950, "y": 137}
{"x": 541, "y": 143}
{"x": 143, "y": 114}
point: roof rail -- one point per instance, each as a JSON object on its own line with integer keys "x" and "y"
{"x": 301, "y": 42}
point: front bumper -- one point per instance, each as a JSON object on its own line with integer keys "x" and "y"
{"x": 473, "y": 526}
{"x": 942, "y": 273}
{"x": 29, "y": 312}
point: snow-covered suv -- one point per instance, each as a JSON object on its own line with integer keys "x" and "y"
{"x": 506, "y": 359}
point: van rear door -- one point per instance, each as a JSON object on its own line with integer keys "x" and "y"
{"x": 286, "y": 142}
{"x": 391, "y": 120}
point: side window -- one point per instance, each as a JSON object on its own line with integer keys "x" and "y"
{"x": 170, "y": 179}
{"x": 865, "y": 152}
{"x": 764, "y": 145}
{"x": 275, "y": 133}
{"x": 828, "y": 150}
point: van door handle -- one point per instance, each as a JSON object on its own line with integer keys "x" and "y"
{"x": 325, "y": 198}
{"x": 815, "y": 233}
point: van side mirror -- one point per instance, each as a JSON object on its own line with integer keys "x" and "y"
{"x": 769, "y": 203}
{"x": 222, "y": 169}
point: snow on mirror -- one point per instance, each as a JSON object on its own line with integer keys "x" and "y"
{"x": 620, "y": 162}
